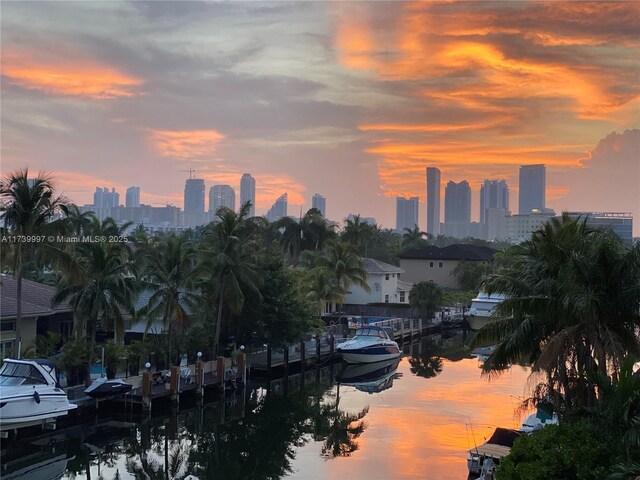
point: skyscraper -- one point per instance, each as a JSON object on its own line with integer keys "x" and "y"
{"x": 278, "y": 209}
{"x": 319, "y": 202}
{"x": 222, "y": 196}
{"x": 533, "y": 182}
{"x": 248, "y": 192}
{"x": 457, "y": 202}
{"x": 406, "y": 213}
{"x": 433, "y": 201}
{"x": 103, "y": 198}
{"x": 493, "y": 194}
{"x": 132, "y": 199}
{"x": 194, "y": 196}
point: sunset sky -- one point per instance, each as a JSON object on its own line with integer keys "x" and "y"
{"x": 351, "y": 100}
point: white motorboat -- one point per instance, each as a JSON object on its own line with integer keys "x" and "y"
{"x": 538, "y": 420}
{"x": 370, "y": 344}
{"x": 30, "y": 394}
{"x": 483, "y": 310}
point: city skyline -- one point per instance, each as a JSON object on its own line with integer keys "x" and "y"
{"x": 351, "y": 99}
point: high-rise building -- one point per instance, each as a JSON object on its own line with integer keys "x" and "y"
{"x": 194, "y": 196}
{"x": 278, "y": 209}
{"x": 132, "y": 199}
{"x": 620, "y": 223}
{"x": 248, "y": 192}
{"x": 319, "y": 202}
{"x": 532, "y": 189}
{"x": 433, "y": 201}
{"x": 103, "y": 198}
{"x": 493, "y": 194}
{"x": 222, "y": 196}
{"x": 406, "y": 213}
{"x": 457, "y": 202}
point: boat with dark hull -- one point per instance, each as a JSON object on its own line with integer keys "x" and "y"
{"x": 370, "y": 377}
{"x": 105, "y": 388}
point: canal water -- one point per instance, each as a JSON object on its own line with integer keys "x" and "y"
{"x": 412, "y": 419}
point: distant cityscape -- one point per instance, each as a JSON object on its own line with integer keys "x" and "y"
{"x": 497, "y": 223}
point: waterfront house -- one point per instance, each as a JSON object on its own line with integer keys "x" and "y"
{"x": 437, "y": 264}
{"x": 384, "y": 282}
{"x": 38, "y": 315}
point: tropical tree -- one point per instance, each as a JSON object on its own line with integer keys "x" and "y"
{"x": 99, "y": 284}
{"x": 341, "y": 262}
{"x": 469, "y": 274}
{"x": 572, "y": 308}
{"x": 426, "y": 297}
{"x": 233, "y": 260}
{"x": 359, "y": 233}
{"x": 413, "y": 238}
{"x": 169, "y": 271}
{"x": 28, "y": 207}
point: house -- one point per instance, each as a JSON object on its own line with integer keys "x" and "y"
{"x": 437, "y": 264}
{"x": 38, "y": 316}
{"x": 385, "y": 284}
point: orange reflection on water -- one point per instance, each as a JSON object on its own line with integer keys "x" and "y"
{"x": 423, "y": 427}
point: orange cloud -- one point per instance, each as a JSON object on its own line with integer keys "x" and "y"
{"x": 186, "y": 144}
{"x": 82, "y": 78}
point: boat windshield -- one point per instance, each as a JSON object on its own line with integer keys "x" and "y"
{"x": 370, "y": 332}
{"x": 12, "y": 374}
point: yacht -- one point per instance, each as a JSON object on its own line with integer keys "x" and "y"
{"x": 30, "y": 394}
{"x": 370, "y": 344}
{"x": 483, "y": 310}
{"x": 538, "y": 420}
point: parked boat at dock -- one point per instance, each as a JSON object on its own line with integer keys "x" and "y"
{"x": 104, "y": 388}
{"x": 483, "y": 310}
{"x": 370, "y": 344}
{"x": 30, "y": 394}
{"x": 487, "y": 455}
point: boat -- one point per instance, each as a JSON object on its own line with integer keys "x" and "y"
{"x": 105, "y": 388}
{"x": 370, "y": 344}
{"x": 538, "y": 420}
{"x": 483, "y": 308}
{"x": 370, "y": 377}
{"x": 30, "y": 394}
{"x": 486, "y": 456}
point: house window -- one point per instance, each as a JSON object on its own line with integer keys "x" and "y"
{"x": 7, "y": 326}
{"x": 386, "y": 299}
{"x": 401, "y": 296}
{"x": 386, "y": 277}
{"x": 439, "y": 264}
{"x": 6, "y": 348}
{"x": 430, "y": 264}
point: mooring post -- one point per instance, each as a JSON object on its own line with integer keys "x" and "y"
{"x": 302, "y": 354}
{"x": 286, "y": 361}
{"x": 174, "y": 384}
{"x": 146, "y": 390}
{"x": 317, "y": 349}
{"x": 269, "y": 367}
{"x": 241, "y": 365}
{"x": 220, "y": 367}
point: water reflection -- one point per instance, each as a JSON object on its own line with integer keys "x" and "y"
{"x": 400, "y": 419}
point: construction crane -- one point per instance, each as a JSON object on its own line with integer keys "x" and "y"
{"x": 191, "y": 172}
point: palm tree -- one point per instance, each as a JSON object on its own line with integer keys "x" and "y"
{"x": 100, "y": 286}
{"x": 359, "y": 233}
{"x": 80, "y": 222}
{"x": 28, "y": 208}
{"x": 572, "y": 309}
{"x": 292, "y": 239}
{"x": 322, "y": 287}
{"x": 413, "y": 238}
{"x": 169, "y": 270}
{"x": 233, "y": 258}
{"x": 341, "y": 262}
{"x": 317, "y": 230}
